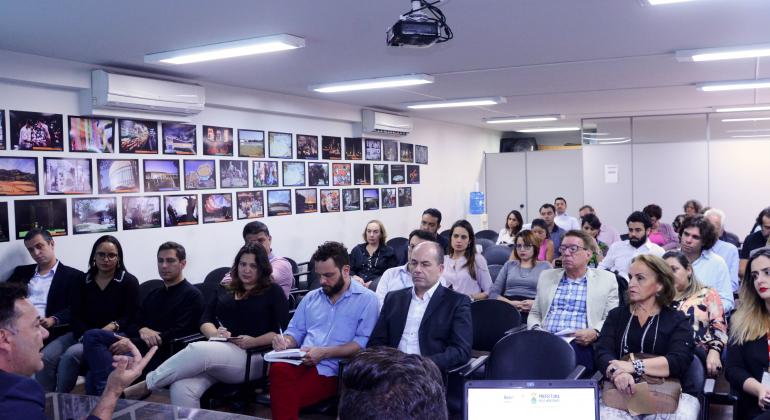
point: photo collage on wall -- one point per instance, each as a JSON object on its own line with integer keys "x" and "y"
{"x": 177, "y": 174}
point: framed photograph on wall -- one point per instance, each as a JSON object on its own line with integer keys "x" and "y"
{"x": 117, "y": 176}
{"x": 330, "y": 201}
{"x": 307, "y": 147}
{"x": 293, "y": 174}
{"x": 389, "y": 196}
{"x": 331, "y": 148}
{"x": 48, "y": 214}
{"x": 421, "y": 154}
{"x": 2, "y": 129}
{"x": 397, "y": 174}
{"x": 217, "y": 208}
{"x": 265, "y": 173}
{"x": 371, "y": 199}
{"x": 94, "y": 215}
{"x": 373, "y": 149}
{"x": 390, "y": 150}
{"x": 354, "y": 149}
{"x": 141, "y": 212}
{"x": 306, "y": 200}
{"x": 362, "y": 174}
{"x": 180, "y": 210}
{"x": 217, "y": 141}
{"x": 137, "y": 136}
{"x": 36, "y": 131}
{"x": 18, "y": 176}
{"x": 234, "y": 173}
{"x": 251, "y": 143}
{"x": 404, "y": 196}
{"x": 251, "y": 204}
{"x": 5, "y": 231}
{"x": 161, "y": 175}
{"x": 381, "y": 174}
{"x": 199, "y": 175}
{"x": 179, "y": 138}
{"x": 91, "y": 134}
{"x": 318, "y": 174}
{"x": 67, "y": 176}
{"x": 342, "y": 174}
{"x": 412, "y": 174}
{"x": 351, "y": 199}
{"x": 278, "y": 202}
{"x": 407, "y": 153}
{"x": 279, "y": 145}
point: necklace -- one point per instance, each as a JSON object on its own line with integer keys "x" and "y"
{"x": 624, "y": 342}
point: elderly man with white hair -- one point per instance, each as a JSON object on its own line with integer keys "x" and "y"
{"x": 726, "y": 250}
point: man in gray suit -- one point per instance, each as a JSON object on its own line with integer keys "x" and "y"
{"x": 574, "y": 301}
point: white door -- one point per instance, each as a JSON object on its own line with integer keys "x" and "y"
{"x": 505, "y": 176}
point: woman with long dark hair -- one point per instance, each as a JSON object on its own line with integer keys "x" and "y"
{"x": 465, "y": 270}
{"x": 513, "y": 224}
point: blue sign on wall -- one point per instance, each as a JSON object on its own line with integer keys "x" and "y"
{"x": 477, "y": 203}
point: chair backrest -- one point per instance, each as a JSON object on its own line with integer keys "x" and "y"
{"x": 147, "y": 287}
{"x": 497, "y": 254}
{"x": 216, "y": 275}
{"x": 695, "y": 378}
{"x": 209, "y": 290}
{"x": 294, "y": 267}
{"x": 487, "y": 234}
{"x": 485, "y": 243}
{"x": 531, "y": 354}
{"x": 446, "y": 233}
{"x": 399, "y": 245}
{"x": 622, "y": 289}
{"x": 494, "y": 270}
{"x": 491, "y": 319}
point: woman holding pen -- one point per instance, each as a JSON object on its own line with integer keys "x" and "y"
{"x": 246, "y": 314}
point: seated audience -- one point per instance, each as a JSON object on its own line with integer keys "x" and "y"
{"x": 703, "y": 307}
{"x": 555, "y": 233}
{"x": 331, "y": 323}
{"x": 257, "y": 233}
{"x": 374, "y": 387}
{"x": 620, "y": 254}
{"x": 726, "y": 250}
{"x": 427, "y": 319}
{"x": 648, "y": 325}
{"x": 544, "y": 243}
{"x": 169, "y": 312}
{"x": 106, "y": 297}
{"x": 562, "y": 219}
{"x": 607, "y": 233}
{"x": 574, "y": 300}
{"x": 397, "y": 278}
{"x": 430, "y": 221}
{"x": 465, "y": 270}
{"x": 370, "y": 259}
{"x": 513, "y": 225}
{"x": 697, "y": 237}
{"x": 754, "y": 240}
{"x": 516, "y": 284}
{"x": 661, "y": 234}
{"x": 21, "y": 337}
{"x": 248, "y": 313}
{"x": 748, "y": 346}
{"x": 592, "y": 226}
{"x": 691, "y": 208}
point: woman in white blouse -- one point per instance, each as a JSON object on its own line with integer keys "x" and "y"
{"x": 513, "y": 224}
{"x": 465, "y": 270}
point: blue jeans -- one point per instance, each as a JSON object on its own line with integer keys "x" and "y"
{"x": 61, "y": 364}
{"x": 98, "y": 357}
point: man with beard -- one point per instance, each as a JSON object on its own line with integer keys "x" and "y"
{"x": 620, "y": 254}
{"x": 555, "y": 233}
{"x": 696, "y": 237}
{"x": 331, "y": 323}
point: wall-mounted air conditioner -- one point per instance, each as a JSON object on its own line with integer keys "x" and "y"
{"x": 382, "y": 123}
{"x": 132, "y": 93}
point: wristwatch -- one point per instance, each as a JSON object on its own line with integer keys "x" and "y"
{"x": 116, "y": 325}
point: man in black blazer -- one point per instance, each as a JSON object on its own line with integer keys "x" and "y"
{"x": 427, "y": 319}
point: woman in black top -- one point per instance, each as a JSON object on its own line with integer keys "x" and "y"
{"x": 247, "y": 314}
{"x": 748, "y": 356}
{"x": 370, "y": 259}
{"x": 106, "y": 298}
{"x": 648, "y": 325}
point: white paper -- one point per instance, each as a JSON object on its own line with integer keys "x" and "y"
{"x": 566, "y": 332}
{"x": 611, "y": 174}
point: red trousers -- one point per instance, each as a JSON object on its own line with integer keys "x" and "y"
{"x": 293, "y": 387}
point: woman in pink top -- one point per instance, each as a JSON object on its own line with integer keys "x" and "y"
{"x": 540, "y": 229}
{"x": 661, "y": 234}
{"x": 465, "y": 271}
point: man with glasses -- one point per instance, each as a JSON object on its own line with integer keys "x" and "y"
{"x": 573, "y": 301}
{"x": 620, "y": 254}
{"x": 397, "y": 278}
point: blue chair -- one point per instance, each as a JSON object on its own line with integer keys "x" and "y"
{"x": 497, "y": 254}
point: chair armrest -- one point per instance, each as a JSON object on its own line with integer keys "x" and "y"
{"x": 474, "y": 365}
{"x": 577, "y": 372}
{"x": 250, "y": 352}
{"x": 597, "y": 376}
{"x": 708, "y": 385}
{"x": 516, "y": 329}
{"x": 183, "y": 341}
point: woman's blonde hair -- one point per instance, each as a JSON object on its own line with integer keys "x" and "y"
{"x": 383, "y": 234}
{"x": 693, "y": 285}
{"x": 751, "y": 320}
{"x": 664, "y": 277}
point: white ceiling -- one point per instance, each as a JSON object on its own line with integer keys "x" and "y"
{"x": 580, "y": 58}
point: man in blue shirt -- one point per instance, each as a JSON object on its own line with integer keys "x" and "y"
{"x": 555, "y": 233}
{"x": 331, "y": 323}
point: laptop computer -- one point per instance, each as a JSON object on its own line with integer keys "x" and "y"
{"x": 534, "y": 399}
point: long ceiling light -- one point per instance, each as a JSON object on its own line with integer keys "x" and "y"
{"x": 746, "y": 119}
{"x": 514, "y": 120}
{"x": 757, "y": 136}
{"x": 547, "y": 129}
{"x": 736, "y": 85}
{"x": 744, "y": 108}
{"x": 376, "y": 83}
{"x": 456, "y": 103}
{"x": 661, "y": 2}
{"x": 230, "y": 49}
{"x": 729, "y": 53}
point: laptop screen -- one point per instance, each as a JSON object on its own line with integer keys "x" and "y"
{"x": 541, "y": 399}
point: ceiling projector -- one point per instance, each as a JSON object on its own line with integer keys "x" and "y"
{"x": 421, "y": 27}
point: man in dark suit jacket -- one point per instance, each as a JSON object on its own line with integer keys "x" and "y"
{"x": 427, "y": 319}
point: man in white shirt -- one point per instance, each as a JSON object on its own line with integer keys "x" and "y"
{"x": 397, "y": 278}
{"x": 620, "y": 254}
{"x": 427, "y": 319}
{"x": 562, "y": 219}
{"x": 607, "y": 233}
{"x": 696, "y": 239}
{"x": 726, "y": 250}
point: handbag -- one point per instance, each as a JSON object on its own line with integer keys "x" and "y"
{"x": 662, "y": 396}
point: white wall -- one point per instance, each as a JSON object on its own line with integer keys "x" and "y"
{"x": 455, "y": 167}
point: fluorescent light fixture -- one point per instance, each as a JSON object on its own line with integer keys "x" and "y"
{"x": 730, "y": 53}
{"x": 547, "y": 129}
{"x": 595, "y": 134}
{"x": 513, "y": 120}
{"x": 746, "y": 119}
{"x": 605, "y": 139}
{"x": 455, "y": 103}
{"x": 662, "y": 2}
{"x": 756, "y": 136}
{"x": 377, "y": 83}
{"x": 744, "y": 108}
{"x": 736, "y": 85}
{"x": 620, "y": 140}
{"x": 227, "y": 49}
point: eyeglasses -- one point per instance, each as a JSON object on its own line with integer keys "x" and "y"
{"x": 523, "y": 246}
{"x": 106, "y": 256}
{"x": 571, "y": 248}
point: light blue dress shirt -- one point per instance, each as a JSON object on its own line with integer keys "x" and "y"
{"x": 711, "y": 271}
{"x": 729, "y": 253}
